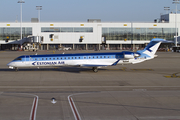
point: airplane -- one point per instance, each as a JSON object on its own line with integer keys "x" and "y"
{"x": 93, "y": 60}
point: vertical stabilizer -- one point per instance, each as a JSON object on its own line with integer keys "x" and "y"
{"x": 150, "y": 50}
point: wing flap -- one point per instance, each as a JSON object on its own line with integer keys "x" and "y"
{"x": 92, "y": 65}
{"x": 95, "y": 64}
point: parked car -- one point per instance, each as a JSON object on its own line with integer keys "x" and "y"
{"x": 65, "y": 48}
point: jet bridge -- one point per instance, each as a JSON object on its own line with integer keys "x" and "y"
{"x": 34, "y": 44}
{"x": 30, "y": 43}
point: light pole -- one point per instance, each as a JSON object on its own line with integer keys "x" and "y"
{"x": 21, "y": 15}
{"x": 39, "y": 8}
{"x": 176, "y": 2}
{"x": 167, "y": 9}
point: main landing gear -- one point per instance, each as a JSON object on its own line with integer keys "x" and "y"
{"x": 95, "y": 69}
{"x": 16, "y": 69}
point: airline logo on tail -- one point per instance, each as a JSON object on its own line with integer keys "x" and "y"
{"x": 150, "y": 50}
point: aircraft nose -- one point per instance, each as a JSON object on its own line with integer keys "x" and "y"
{"x": 10, "y": 64}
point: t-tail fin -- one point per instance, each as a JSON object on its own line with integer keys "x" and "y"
{"x": 150, "y": 50}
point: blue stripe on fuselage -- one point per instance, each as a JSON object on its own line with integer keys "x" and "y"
{"x": 77, "y": 56}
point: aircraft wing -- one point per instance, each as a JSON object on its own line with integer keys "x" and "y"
{"x": 95, "y": 63}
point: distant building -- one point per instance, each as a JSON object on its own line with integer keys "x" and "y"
{"x": 34, "y": 20}
{"x": 88, "y": 35}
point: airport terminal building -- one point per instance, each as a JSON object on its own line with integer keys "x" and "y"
{"x": 89, "y": 35}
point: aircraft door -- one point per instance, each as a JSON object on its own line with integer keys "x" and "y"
{"x": 27, "y": 60}
{"x": 85, "y": 59}
{"x": 88, "y": 59}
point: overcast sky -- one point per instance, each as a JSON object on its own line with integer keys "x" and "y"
{"x": 81, "y": 10}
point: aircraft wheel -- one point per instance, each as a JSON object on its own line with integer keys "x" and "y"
{"x": 16, "y": 69}
{"x": 95, "y": 69}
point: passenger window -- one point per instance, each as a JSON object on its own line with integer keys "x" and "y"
{"x": 46, "y": 58}
{"x": 42, "y": 58}
{"x": 50, "y": 58}
{"x": 57, "y": 58}
{"x": 79, "y": 58}
{"x": 53, "y": 58}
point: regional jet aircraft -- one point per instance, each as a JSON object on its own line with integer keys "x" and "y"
{"x": 93, "y": 60}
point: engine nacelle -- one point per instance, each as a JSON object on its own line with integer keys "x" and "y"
{"x": 131, "y": 56}
{"x": 128, "y": 56}
{"x": 136, "y": 55}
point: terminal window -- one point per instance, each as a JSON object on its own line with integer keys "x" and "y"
{"x": 116, "y": 33}
{"x": 14, "y": 33}
{"x": 67, "y": 29}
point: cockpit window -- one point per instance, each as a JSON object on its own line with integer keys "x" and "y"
{"x": 18, "y": 59}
